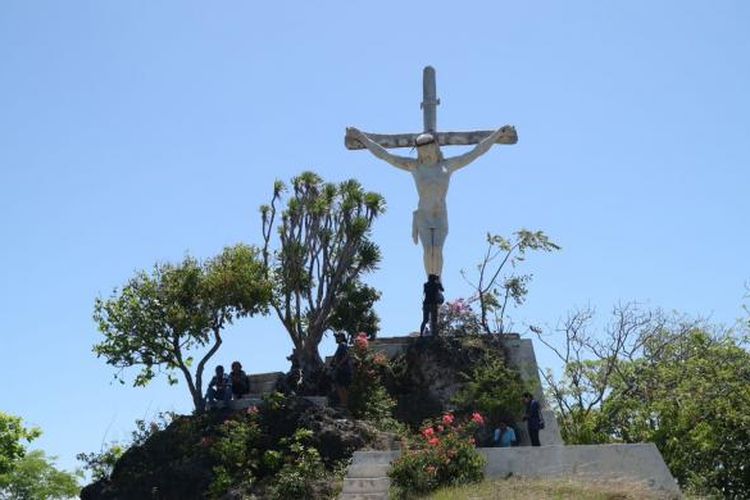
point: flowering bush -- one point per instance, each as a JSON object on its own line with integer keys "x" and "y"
{"x": 360, "y": 342}
{"x": 458, "y": 318}
{"x": 443, "y": 454}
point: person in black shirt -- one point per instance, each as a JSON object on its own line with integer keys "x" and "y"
{"x": 343, "y": 373}
{"x": 240, "y": 383}
{"x": 433, "y": 296}
{"x": 533, "y": 418}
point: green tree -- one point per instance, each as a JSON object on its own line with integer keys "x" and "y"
{"x": 662, "y": 379}
{"x": 12, "y": 437}
{"x": 29, "y": 474}
{"x": 495, "y": 289}
{"x": 158, "y": 319}
{"x": 691, "y": 398}
{"x": 323, "y": 248}
{"x": 353, "y": 312}
{"x": 35, "y": 477}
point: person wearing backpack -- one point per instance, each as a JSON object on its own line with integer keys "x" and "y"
{"x": 533, "y": 418}
{"x": 433, "y": 297}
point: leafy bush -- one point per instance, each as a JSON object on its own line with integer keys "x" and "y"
{"x": 236, "y": 451}
{"x": 492, "y": 389}
{"x": 303, "y": 474}
{"x": 443, "y": 454}
{"x": 368, "y": 398}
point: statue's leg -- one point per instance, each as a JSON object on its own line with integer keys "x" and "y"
{"x": 435, "y": 250}
{"x": 432, "y": 249}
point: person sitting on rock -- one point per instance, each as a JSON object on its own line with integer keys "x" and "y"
{"x": 240, "y": 384}
{"x": 341, "y": 367}
{"x": 504, "y": 436}
{"x": 220, "y": 388}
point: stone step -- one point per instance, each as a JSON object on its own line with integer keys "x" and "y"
{"x": 363, "y": 496}
{"x": 246, "y": 402}
{"x": 366, "y": 485}
{"x": 368, "y": 470}
{"x": 370, "y": 457}
{"x": 263, "y": 383}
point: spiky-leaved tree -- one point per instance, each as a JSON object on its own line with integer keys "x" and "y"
{"x": 323, "y": 248}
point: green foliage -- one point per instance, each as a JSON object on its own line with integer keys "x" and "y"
{"x": 261, "y": 452}
{"x": 12, "y": 436}
{"x": 353, "y": 312}
{"x": 100, "y": 464}
{"x": 301, "y": 470}
{"x": 368, "y": 398}
{"x": 236, "y": 451}
{"x": 29, "y": 475}
{"x": 443, "y": 454}
{"x": 673, "y": 383}
{"x": 692, "y": 399}
{"x": 324, "y": 247}
{"x": 495, "y": 290}
{"x": 158, "y": 318}
{"x": 492, "y": 389}
{"x": 35, "y": 477}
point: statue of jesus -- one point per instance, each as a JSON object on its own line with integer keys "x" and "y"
{"x": 432, "y": 173}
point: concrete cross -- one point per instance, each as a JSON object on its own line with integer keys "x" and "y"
{"x": 429, "y": 112}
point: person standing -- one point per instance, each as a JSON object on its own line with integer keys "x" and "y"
{"x": 533, "y": 418}
{"x": 343, "y": 373}
{"x": 433, "y": 297}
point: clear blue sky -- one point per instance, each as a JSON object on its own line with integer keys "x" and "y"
{"x": 134, "y": 132}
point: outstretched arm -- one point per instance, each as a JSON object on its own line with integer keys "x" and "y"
{"x": 379, "y": 151}
{"x": 462, "y": 160}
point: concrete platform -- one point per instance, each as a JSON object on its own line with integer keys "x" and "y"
{"x": 639, "y": 464}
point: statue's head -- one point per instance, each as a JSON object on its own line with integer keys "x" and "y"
{"x": 428, "y": 149}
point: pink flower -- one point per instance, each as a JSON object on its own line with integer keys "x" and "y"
{"x": 433, "y": 442}
{"x": 428, "y": 432}
{"x": 252, "y": 410}
{"x": 477, "y": 418}
{"x": 379, "y": 359}
{"x": 448, "y": 419}
{"x": 361, "y": 341}
{"x": 440, "y": 428}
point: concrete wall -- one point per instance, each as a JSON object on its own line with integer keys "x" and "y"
{"x": 636, "y": 463}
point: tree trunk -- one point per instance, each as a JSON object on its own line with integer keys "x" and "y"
{"x": 312, "y": 367}
{"x": 198, "y": 401}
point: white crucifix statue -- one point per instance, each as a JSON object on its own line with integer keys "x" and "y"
{"x": 430, "y": 169}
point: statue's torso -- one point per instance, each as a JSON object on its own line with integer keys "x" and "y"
{"x": 432, "y": 185}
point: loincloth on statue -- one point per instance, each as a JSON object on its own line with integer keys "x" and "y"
{"x": 430, "y": 227}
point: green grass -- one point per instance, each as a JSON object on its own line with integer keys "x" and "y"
{"x": 546, "y": 489}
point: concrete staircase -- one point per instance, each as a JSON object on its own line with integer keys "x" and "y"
{"x": 367, "y": 476}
